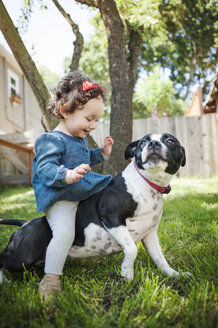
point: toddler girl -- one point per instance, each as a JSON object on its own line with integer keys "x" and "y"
{"x": 61, "y": 168}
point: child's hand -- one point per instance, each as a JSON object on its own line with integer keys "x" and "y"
{"x": 107, "y": 146}
{"x": 76, "y": 174}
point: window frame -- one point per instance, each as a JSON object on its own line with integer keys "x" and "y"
{"x": 11, "y": 86}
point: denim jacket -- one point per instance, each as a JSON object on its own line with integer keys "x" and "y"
{"x": 55, "y": 153}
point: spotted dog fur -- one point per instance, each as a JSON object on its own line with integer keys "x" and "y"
{"x": 127, "y": 211}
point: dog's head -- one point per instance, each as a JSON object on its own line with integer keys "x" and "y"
{"x": 157, "y": 150}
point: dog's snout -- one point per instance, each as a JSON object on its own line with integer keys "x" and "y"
{"x": 154, "y": 144}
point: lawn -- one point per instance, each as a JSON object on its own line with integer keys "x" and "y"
{"x": 94, "y": 293}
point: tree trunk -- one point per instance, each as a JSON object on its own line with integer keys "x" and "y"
{"x": 27, "y": 65}
{"x": 121, "y": 100}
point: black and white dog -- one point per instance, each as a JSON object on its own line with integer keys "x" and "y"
{"x": 128, "y": 210}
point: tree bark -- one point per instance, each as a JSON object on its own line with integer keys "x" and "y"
{"x": 27, "y": 65}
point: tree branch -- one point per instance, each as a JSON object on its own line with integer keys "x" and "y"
{"x": 90, "y": 3}
{"x": 78, "y": 43}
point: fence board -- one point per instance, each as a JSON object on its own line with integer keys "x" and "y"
{"x": 214, "y": 143}
{"x": 13, "y": 154}
{"x": 13, "y": 158}
{"x": 206, "y": 146}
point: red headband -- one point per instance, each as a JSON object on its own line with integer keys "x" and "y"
{"x": 90, "y": 85}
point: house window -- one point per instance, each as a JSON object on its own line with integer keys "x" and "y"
{"x": 13, "y": 83}
{"x": 13, "y": 89}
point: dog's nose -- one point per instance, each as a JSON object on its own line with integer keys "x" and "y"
{"x": 154, "y": 144}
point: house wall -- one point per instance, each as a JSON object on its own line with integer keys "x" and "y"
{"x": 16, "y": 118}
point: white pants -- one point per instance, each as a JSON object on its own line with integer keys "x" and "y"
{"x": 61, "y": 217}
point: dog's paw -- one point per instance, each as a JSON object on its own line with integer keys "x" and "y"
{"x": 180, "y": 274}
{"x": 127, "y": 273}
{"x": 187, "y": 274}
{"x": 128, "y": 276}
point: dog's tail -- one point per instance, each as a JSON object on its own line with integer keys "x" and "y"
{"x": 14, "y": 222}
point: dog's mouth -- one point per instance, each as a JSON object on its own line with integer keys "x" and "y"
{"x": 154, "y": 158}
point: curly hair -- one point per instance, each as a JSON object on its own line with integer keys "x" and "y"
{"x": 69, "y": 93}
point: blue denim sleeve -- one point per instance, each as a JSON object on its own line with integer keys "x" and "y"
{"x": 96, "y": 156}
{"x": 49, "y": 150}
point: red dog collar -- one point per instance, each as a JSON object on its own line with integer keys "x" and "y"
{"x": 162, "y": 190}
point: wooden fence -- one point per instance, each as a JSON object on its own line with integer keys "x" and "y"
{"x": 198, "y": 135}
{"x": 15, "y": 161}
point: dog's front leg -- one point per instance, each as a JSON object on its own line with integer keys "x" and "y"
{"x": 151, "y": 244}
{"x": 124, "y": 239}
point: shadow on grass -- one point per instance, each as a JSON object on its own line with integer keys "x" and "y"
{"x": 17, "y": 202}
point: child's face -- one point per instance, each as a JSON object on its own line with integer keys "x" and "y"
{"x": 83, "y": 121}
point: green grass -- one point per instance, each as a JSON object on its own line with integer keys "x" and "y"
{"x": 94, "y": 293}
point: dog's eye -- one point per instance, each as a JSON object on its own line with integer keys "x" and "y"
{"x": 170, "y": 142}
{"x": 142, "y": 144}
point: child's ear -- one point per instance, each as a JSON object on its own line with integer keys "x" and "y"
{"x": 63, "y": 112}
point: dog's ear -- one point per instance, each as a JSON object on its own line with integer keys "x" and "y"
{"x": 130, "y": 150}
{"x": 183, "y": 156}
